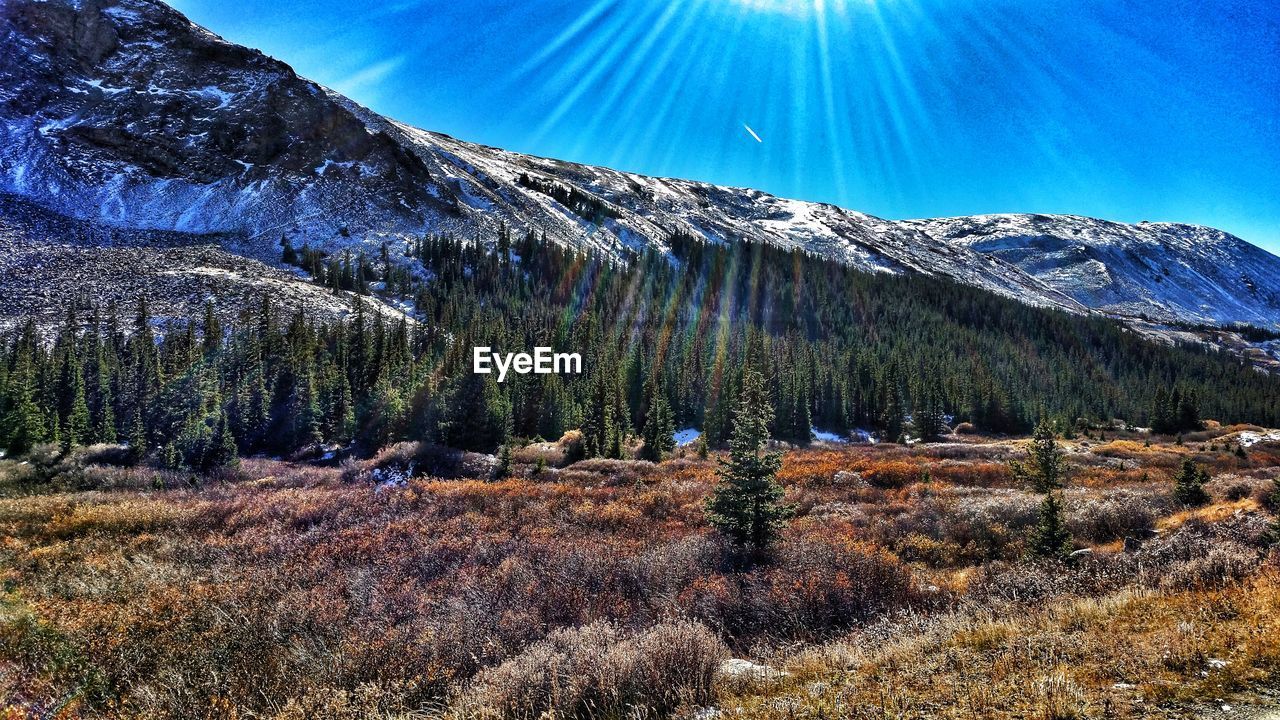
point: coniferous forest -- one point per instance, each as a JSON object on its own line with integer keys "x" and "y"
{"x": 841, "y": 349}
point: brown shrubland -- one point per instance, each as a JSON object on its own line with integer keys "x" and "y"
{"x": 411, "y": 584}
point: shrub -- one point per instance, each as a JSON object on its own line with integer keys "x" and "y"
{"x": 986, "y": 521}
{"x": 935, "y": 553}
{"x": 103, "y": 454}
{"x": 819, "y": 586}
{"x": 600, "y": 671}
{"x": 351, "y": 470}
{"x": 1235, "y": 487}
{"x": 1113, "y": 516}
{"x": 1222, "y": 564}
{"x": 413, "y": 459}
{"x": 1268, "y": 495}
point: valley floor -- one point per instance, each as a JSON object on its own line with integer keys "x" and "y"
{"x": 362, "y": 590}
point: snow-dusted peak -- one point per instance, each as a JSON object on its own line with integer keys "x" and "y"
{"x": 1166, "y": 271}
{"x": 124, "y": 112}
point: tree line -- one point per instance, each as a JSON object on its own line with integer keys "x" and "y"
{"x": 665, "y": 337}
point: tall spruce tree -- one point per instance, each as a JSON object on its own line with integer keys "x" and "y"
{"x": 746, "y": 504}
{"x": 659, "y": 428}
{"x": 24, "y": 426}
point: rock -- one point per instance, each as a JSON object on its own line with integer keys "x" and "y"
{"x": 740, "y": 669}
{"x": 1083, "y": 552}
{"x": 849, "y": 478}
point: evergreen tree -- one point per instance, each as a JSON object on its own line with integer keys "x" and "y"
{"x": 659, "y": 428}
{"x": 600, "y": 431}
{"x": 137, "y": 440}
{"x": 1050, "y": 537}
{"x": 503, "y": 468}
{"x": 893, "y": 411}
{"x": 746, "y": 504}
{"x": 1188, "y": 417}
{"x": 1188, "y": 485}
{"x": 1045, "y": 468}
{"x": 1161, "y": 413}
{"x": 795, "y": 423}
{"x": 477, "y": 414}
{"x": 288, "y": 255}
{"x": 929, "y": 423}
{"x": 23, "y": 427}
{"x": 76, "y": 429}
{"x": 224, "y": 450}
{"x": 212, "y": 329}
{"x": 99, "y": 385}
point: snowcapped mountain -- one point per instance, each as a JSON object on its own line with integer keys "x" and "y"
{"x": 1165, "y": 271}
{"x": 123, "y": 112}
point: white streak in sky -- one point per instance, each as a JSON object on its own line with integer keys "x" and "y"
{"x": 753, "y": 132}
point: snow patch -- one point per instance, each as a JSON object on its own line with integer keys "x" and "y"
{"x": 827, "y": 436}
{"x": 1249, "y": 438}
{"x": 687, "y": 436}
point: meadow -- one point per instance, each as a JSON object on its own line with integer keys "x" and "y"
{"x": 413, "y": 584}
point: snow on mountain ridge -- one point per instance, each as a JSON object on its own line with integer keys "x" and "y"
{"x": 1166, "y": 271}
{"x": 123, "y": 111}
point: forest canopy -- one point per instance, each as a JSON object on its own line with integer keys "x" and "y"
{"x": 840, "y": 349}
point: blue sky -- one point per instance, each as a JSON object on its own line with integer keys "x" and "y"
{"x": 900, "y": 108}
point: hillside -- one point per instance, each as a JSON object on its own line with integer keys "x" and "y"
{"x": 123, "y": 112}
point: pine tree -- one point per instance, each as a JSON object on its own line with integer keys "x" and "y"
{"x": 212, "y": 329}
{"x": 659, "y": 428}
{"x": 747, "y": 503}
{"x": 1188, "y": 412}
{"x": 892, "y": 414}
{"x": 929, "y": 422}
{"x": 1160, "y": 416}
{"x": 288, "y": 255}
{"x": 1188, "y": 485}
{"x": 23, "y": 427}
{"x": 303, "y": 416}
{"x": 145, "y": 376}
{"x": 599, "y": 423}
{"x": 76, "y": 429}
{"x": 503, "y": 469}
{"x": 477, "y": 414}
{"x": 222, "y": 452}
{"x": 1050, "y": 537}
{"x": 796, "y": 423}
{"x": 100, "y": 396}
{"x": 1045, "y": 469}
{"x": 137, "y": 436}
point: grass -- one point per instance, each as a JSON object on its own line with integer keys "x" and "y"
{"x": 291, "y": 590}
{"x": 1131, "y": 654}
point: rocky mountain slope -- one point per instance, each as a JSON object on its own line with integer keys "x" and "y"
{"x": 49, "y": 263}
{"x": 1160, "y": 270}
{"x": 123, "y": 112}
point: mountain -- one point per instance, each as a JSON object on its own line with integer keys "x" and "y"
{"x": 50, "y": 261}
{"x": 1165, "y": 271}
{"x": 123, "y": 113}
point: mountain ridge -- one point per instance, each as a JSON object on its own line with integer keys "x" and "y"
{"x": 125, "y": 112}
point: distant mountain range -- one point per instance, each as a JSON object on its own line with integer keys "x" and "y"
{"x": 123, "y": 114}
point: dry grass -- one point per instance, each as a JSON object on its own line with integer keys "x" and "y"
{"x": 1132, "y": 654}
{"x": 597, "y": 590}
